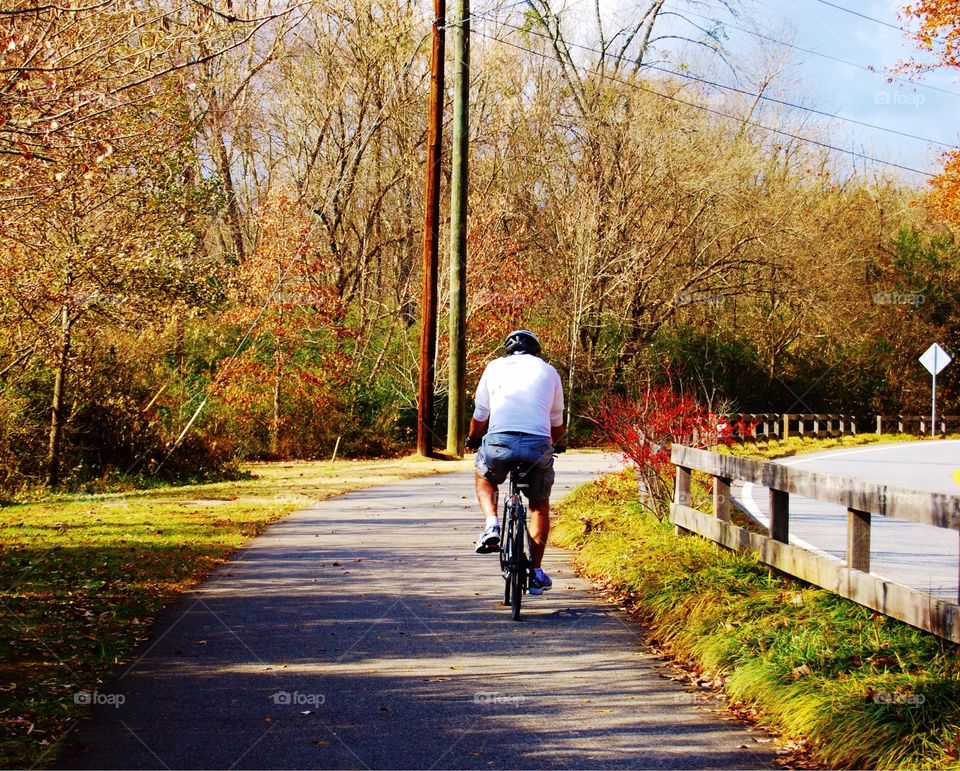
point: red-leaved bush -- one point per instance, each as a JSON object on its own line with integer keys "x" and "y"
{"x": 646, "y": 427}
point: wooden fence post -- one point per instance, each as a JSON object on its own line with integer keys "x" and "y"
{"x": 879, "y": 424}
{"x": 785, "y": 434}
{"x": 858, "y": 540}
{"x": 780, "y": 516}
{"x": 721, "y": 498}
{"x": 681, "y": 494}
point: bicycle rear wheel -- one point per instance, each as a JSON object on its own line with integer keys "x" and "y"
{"x": 507, "y": 582}
{"x": 517, "y": 567}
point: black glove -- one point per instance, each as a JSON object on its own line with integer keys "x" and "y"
{"x": 473, "y": 444}
{"x": 559, "y": 448}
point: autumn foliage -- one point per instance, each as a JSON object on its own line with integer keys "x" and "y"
{"x": 645, "y": 428}
{"x": 212, "y": 221}
{"x": 939, "y": 35}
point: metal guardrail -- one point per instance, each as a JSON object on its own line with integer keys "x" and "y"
{"x": 863, "y": 500}
{"x": 764, "y": 426}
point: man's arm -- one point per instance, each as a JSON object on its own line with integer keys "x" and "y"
{"x": 558, "y": 428}
{"x": 557, "y": 435}
{"x": 477, "y": 429}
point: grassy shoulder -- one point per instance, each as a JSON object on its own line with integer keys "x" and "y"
{"x": 84, "y": 576}
{"x": 854, "y": 688}
{"x": 799, "y": 445}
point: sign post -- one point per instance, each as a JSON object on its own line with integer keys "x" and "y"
{"x": 934, "y": 359}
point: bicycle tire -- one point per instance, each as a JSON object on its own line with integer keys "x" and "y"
{"x": 507, "y": 570}
{"x": 517, "y": 567}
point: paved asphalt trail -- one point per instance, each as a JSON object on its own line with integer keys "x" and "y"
{"x": 364, "y": 633}
{"x": 919, "y": 556}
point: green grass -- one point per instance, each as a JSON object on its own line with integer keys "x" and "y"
{"x": 82, "y": 578}
{"x": 855, "y": 688}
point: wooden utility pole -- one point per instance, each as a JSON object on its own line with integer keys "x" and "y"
{"x": 428, "y": 312}
{"x": 456, "y": 407}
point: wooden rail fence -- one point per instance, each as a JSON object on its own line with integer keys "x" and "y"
{"x": 763, "y": 426}
{"x": 863, "y": 500}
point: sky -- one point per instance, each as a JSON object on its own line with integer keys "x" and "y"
{"x": 851, "y": 92}
{"x": 929, "y": 111}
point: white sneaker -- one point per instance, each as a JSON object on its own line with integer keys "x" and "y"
{"x": 489, "y": 540}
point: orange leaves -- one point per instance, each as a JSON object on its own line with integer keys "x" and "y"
{"x": 939, "y": 33}
{"x": 944, "y": 198}
{"x": 939, "y": 30}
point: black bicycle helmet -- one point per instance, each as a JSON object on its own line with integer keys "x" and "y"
{"x": 522, "y": 341}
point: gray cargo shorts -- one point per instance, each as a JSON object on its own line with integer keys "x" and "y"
{"x": 499, "y": 452}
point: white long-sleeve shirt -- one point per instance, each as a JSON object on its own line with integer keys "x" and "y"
{"x": 520, "y": 393}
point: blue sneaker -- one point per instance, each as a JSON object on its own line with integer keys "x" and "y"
{"x": 489, "y": 540}
{"x": 539, "y": 582}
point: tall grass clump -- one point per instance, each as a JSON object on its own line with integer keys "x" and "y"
{"x": 858, "y": 689}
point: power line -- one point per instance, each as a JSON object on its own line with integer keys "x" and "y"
{"x": 875, "y": 20}
{"x": 760, "y": 96}
{"x": 720, "y": 113}
{"x": 866, "y": 68}
{"x": 863, "y": 16}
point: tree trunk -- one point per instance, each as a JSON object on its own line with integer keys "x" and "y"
{"x": 233, "y": 210}
{"x": 275, "y": 422}
{"x": 58, "y": 399}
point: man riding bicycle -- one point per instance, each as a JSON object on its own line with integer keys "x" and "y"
{"x": 520, "y": 404}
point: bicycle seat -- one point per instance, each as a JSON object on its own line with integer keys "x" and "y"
{"x": 521, "y": 470}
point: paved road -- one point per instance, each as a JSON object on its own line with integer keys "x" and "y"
{"x": 925, "y": 558}
{"x": 364, "y": 633}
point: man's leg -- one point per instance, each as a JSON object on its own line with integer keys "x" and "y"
{"x": 489, "y": 540}
{"x": 486, "y": 494}
{"x": 539, "y": 527}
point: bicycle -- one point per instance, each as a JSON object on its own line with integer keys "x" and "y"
{"x": 515, "y": 540}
